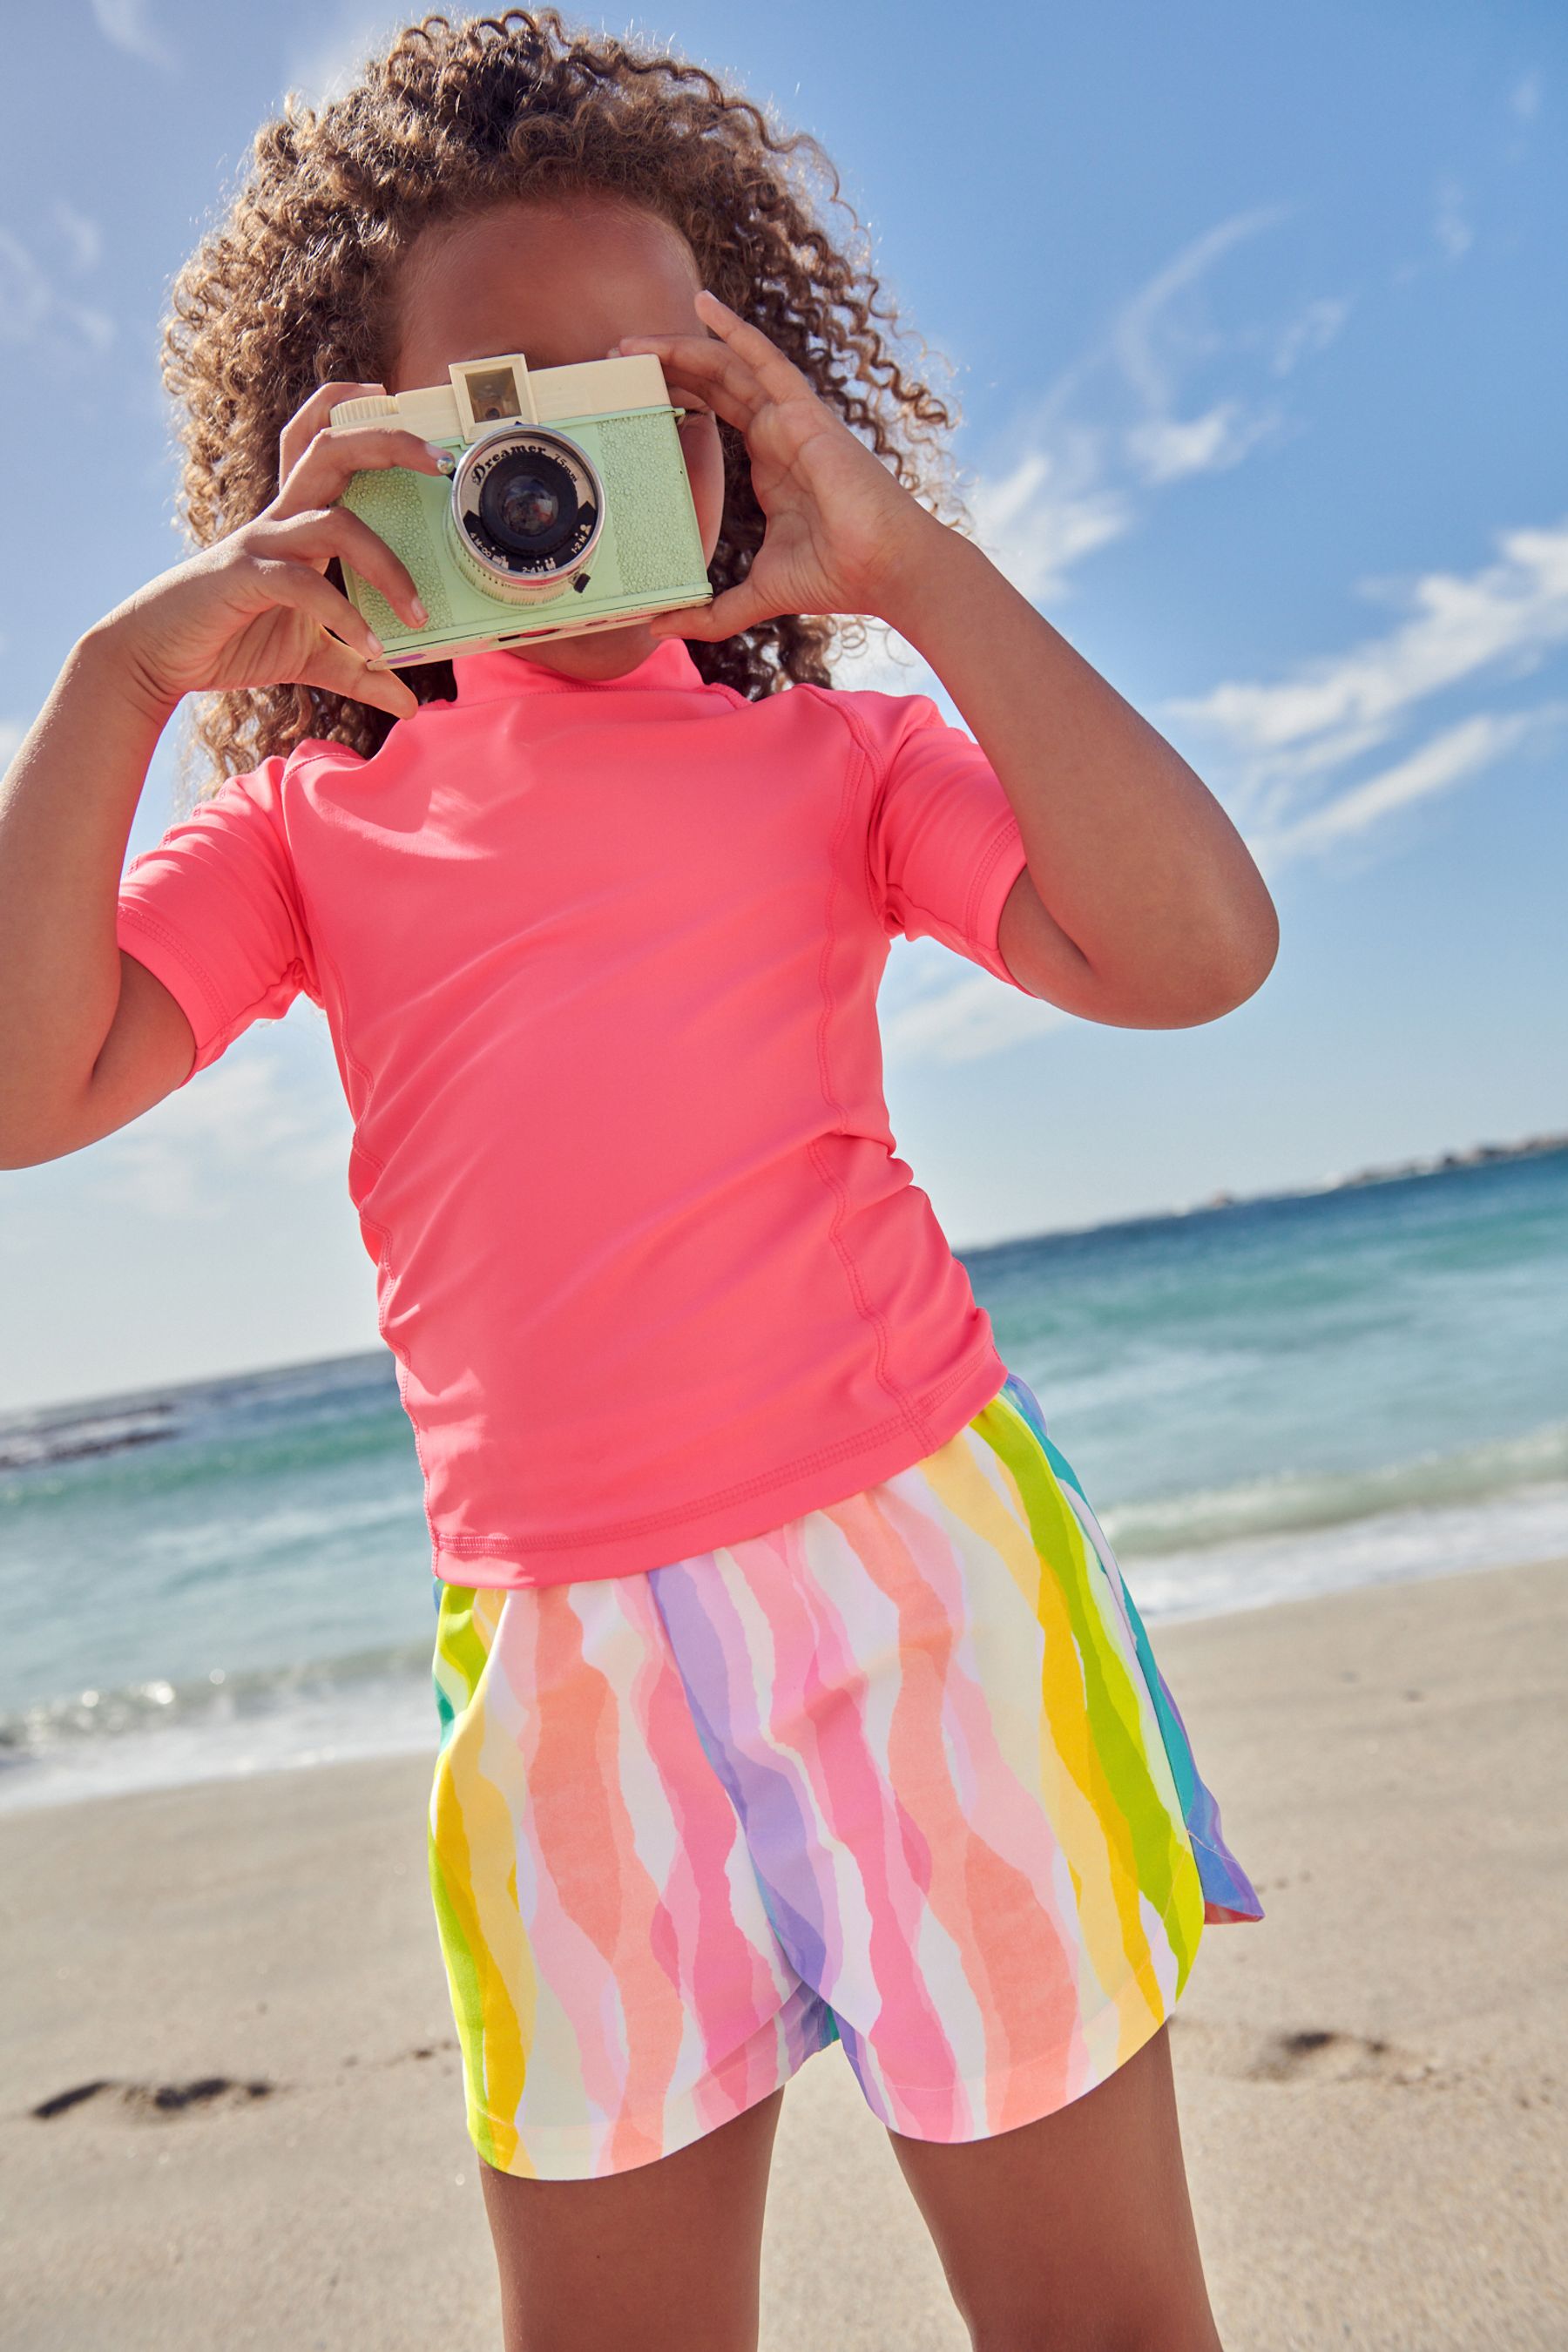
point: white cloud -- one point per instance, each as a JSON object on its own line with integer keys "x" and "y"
{"x": 1158, "y": 336}
{"x": 1510, "y": 612}
{"x": 25, "y": 293}
{"x": 1167, "y": 449}
{"x": 83, "y": 236}
{"x": 127, "y": 26}
{"x": 1525, "y": 98}
{"x": 1453, "y": 232}
{"x": 247, "y": 1108}
{"x": 1288, "y": 741}
{"x": 954, "y": 1018}
{"x": 1153, "y": 335}
{"x": 1047, "y": 512}
{"x": 1450, "y": 757}
{"x": 34, "y": 313}
{"x": 1311, "y": 331}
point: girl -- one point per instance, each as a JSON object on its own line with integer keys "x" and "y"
{"x": 789, "y": 1691}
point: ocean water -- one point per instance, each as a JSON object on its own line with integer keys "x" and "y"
{"x": 1265, "y": 1400}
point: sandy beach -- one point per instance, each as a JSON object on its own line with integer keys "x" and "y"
{"x": 1373, "y": 2080}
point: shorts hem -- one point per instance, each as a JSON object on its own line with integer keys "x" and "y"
{"x": 908, "y": 2097}
{"x": 554, "y": 2151}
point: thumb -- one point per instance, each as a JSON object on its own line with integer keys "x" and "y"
{"x": 737, "y": 608}
{"x": 337, "y": 668}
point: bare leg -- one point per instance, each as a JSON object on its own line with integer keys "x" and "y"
{"x": 659, "y": 2258}
{"x": 1075, "y": 2233}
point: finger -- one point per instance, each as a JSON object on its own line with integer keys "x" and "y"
{"x": 311, "y": 415}
{"x": 702, "y": 358}
{"x": 737, "y": 608}
{"x": 296, "y": 585}
{"x": 779, "y": 377}
{"x": 337, "y": 669}
{"x": 699, "y": 364}
{"x": 322, "y": 532}
{"x": 325, "y": 465}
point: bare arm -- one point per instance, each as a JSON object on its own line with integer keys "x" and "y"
{"x": 88, "y": 1037}
{"x": 1140, "y": 905}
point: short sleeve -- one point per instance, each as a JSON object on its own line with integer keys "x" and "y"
{"x": 213, "y": 910}
{"x": 944, "y": 844}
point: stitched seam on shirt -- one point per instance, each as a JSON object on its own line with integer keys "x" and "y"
{"x": 138, "y": 916}
{"x": 869, "y": 755}
{"x": 865, "y": 1307}
{"x": 1001, "y": 840}
{"x": 383, "y": 1263}
{"x": 1005, "y": 828}
{"x": 577, "y": 1539}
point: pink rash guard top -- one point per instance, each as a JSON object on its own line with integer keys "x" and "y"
{"x": 600, "y": 963}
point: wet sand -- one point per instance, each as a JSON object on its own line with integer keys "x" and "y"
{"x": 1372, "y": 2080}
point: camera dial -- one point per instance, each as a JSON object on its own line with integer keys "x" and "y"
{"x": 527, "y": 508}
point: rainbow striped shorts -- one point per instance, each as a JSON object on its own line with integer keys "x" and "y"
{"x": 903, "y": 1774}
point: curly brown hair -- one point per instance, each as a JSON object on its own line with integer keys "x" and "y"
{"x": 297, "y": 286}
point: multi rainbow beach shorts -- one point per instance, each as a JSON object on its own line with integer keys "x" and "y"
{"x": 903, "y": 1774}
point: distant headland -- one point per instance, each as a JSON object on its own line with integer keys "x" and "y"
{"x": 1477, "y": 1155}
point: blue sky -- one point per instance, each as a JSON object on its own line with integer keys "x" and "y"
{"x": 1259, "y": 326}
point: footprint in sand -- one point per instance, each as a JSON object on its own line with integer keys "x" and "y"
{"x": 1318, "y": 2054}
{"x": 1314, "y": 2053}
{"x": 152, "y": 2102}
{"x": 400, "y": 2057}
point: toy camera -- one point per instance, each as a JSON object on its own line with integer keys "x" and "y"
{"x": 568, "y": 506}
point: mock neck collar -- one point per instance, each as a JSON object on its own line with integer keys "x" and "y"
{"x": 501, "y": 674}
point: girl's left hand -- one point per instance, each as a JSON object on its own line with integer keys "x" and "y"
{"x": 840, "y": 528}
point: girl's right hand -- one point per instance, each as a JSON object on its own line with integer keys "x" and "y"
{"x": 255, "y": 609}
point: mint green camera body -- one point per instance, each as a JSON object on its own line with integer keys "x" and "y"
{"x": 600, "y": 440}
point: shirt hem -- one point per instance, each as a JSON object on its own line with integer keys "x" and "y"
{"x": 153, "y": 942}
{"x": 507, "y": 1563}
{"x": 1004, "y": 860}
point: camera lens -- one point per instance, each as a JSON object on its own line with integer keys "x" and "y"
{"x": 526, "y": 512}
{"x": 529, "y": 505}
